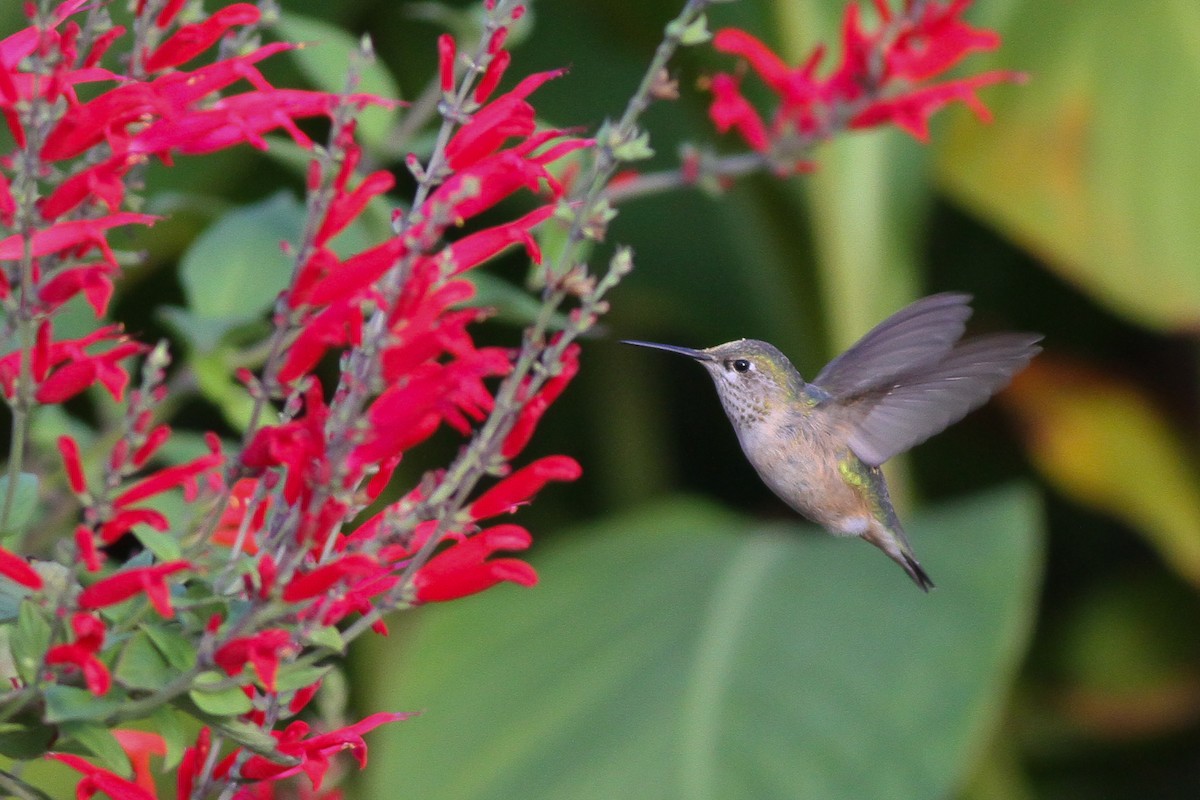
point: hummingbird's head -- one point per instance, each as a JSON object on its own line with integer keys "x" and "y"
{"x": 753, "y": 378}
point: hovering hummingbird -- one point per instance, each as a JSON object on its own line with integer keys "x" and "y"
{"x": 819, "y": 445}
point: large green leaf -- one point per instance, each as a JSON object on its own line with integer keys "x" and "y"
{"x": 684, "y": 652}
{"x": 235, "y": 269}
{"x": 1093, "y": 164}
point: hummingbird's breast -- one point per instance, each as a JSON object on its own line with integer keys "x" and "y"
{"x": 797, "y": 455}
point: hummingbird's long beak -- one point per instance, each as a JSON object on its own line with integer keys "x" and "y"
{"x": 699, "y": 355}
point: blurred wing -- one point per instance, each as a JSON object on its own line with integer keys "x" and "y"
{"x": 889, "y": 420}
{"x": 919, "y": 334}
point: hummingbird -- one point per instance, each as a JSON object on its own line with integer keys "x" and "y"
{"x": 819, "y": 445}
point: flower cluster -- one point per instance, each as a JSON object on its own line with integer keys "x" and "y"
{"x": 883, "y": 78}
{"x": 236, "y": 601}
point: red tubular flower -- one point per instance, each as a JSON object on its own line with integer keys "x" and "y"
{"x": 316, "y": 751}
{"x": 533, "y": 409}
{"x": 337, "y": 326}
{"x": 8, "y": 204}
{"x": 101, "y": 781}
{"x": 465, "y": 568}
{"x": 323, "y": 578}
{"x": 123, "y": 521}
{"x": 192, "y": 40}
{"x": 151, "y": 581}
{"x": 329, "y": 280}
{"x": 17, "y": 569}
{"x": 877, "y": 80}
{"x": 234, "y": 515}
{"x": 492, "y": 75}
{"x": 139, "y": 746}
{"x": 446, "y": 53}
{"x": 180, "y": 475}
{"x": 85, "y": 546}
{"x": 103, "y": 182}
{"x": 81, "y": 654}
{"x": 473, "y": 249}
{"x": 262, "y": 651}
{"x": 300, "y": 445}
{"x": 93, "y": 281}
{"x": 192, "y": 762}
{"x": 912, "y": 111}
{"x": 69, "y": 450}
{"x": 507, "y": 116}
{"x": 83, "y": 234}
{"x": 730, "y": 110}
{"x": 520, "y": 487}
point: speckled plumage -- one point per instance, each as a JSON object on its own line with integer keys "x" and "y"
{"x": 818, "y": 446}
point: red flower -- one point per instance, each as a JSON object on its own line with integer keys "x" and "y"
{"x": 323, "y": 578}
{"x": 465, "y": 567}
{"x": 139, "y": 746}
{"x": 299, "y": 445}
{"x": 315, "y": 752}
{"x": 93, "y": 281}
{"x": 876, "y": 82}
{"x": 508, "y": 116}
{"x": 192, "y": 40}
{"x": 447, "y": 49}
{"x": 17, "y": 569}
{"x": 78, "y": 236}
{"x": 81, "y": 654}
{"x": 101, "y": 781}
{"x": 533, "y": 409}
{"x": 151, "y": 581}
{"x": 520, "y": 487}
{"x": 85, "y": 546}
{"x": 180, "y": 475}
{"x": 262, "y": 651}
{"x": 233, "y": 517}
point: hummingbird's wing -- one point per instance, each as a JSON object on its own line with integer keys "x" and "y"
{"x": 914, "y": 336}
{"x": 888, "y": 419}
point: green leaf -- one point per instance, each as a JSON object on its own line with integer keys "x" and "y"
{"x": 296, "y": 677}
{"x": 176, "y": 648}
{"x": 141, "y": 665}
{"x": 22, "y": 742}
{"x": 216, "y": 382}
{"x": 325, "y": 61}
{"x": 328, "y": 637}
{"x": 164, "y": 546}
{"x": 709, "y": 656}
{"x": 235, "y": 269}
{"x": 30, "y": 642}
{"x": 65, "y": 703}
{"x": 246, "y": 734}
{"x": 1072, "y": 168}
{"x": 203, "y": 334}
{"x": 24, "y": 501}
{"x": 219, "y": 700}
{"x": 168, "y": 723}
{"x": 99, "y": 742}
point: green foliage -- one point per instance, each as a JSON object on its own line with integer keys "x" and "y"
{"x": 1089, "y": 164}
{"x": 684, "y": 651}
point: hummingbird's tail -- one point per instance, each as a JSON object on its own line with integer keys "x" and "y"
{"x": 893, "y": 542}
{"x": 914, "y": 570}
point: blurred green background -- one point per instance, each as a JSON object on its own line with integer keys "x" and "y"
{"x": 691, "y": 638}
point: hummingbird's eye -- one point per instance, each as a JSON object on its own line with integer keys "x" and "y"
{"x": 741, "y": 365}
